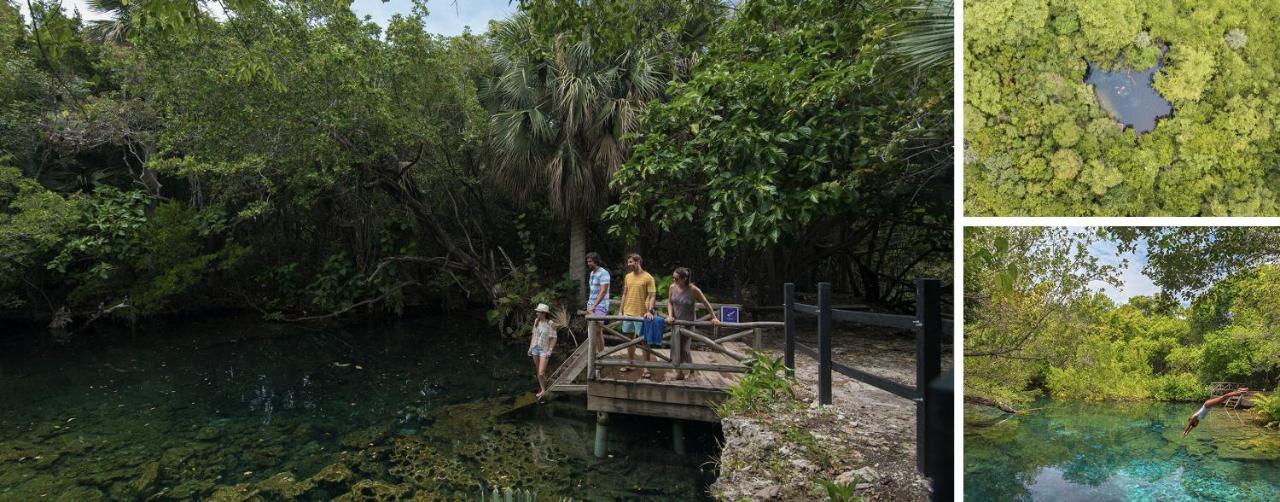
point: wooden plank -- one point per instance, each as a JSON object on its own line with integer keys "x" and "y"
{"x": 664, "y": 410}
{"x": 870, "y": 318}
{"x": 657, "y": 393}
{"x": 678, "y": 322}
{"x": 567, "y": 388}
{"x": 640, "y": 363}
{"x": 878, "y": 382}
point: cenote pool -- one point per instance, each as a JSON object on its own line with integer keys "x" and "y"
{"x": 1109, "y": 451}
{"x": 1129, "y": 96}
{"x": 194, "y": 410}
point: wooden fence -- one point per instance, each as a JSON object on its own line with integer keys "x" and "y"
{"x": 933, "y": 392}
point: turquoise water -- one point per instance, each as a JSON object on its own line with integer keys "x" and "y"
{"x": 1125, "y": 451}
{"x": 193, "y": 410}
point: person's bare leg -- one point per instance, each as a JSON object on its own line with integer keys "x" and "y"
{"x": 647, "y": 358}
{"x": 542, "y": 378}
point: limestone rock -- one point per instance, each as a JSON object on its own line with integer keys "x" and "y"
{"x": 147, "y": 479}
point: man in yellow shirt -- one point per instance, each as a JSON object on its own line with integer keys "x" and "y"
{"x": 639, "y": 294}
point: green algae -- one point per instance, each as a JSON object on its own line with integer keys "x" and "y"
{"x": 254, "y": 420}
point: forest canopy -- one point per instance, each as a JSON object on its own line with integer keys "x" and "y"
{"x": 296, "y": 160}
{"x": 1035, "y": 322}
{"x": 1038, "y": 142}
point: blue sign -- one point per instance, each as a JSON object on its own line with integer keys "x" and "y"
{"x": 728, "y": 313}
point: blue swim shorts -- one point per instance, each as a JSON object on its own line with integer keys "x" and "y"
{"x": 632, "y": 327}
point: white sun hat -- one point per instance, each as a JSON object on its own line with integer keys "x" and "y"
{"x": 542, "y": 307}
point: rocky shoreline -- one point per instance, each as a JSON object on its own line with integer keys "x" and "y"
{"x": 787, "y": 450}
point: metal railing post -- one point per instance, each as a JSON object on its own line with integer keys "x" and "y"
{"x": 928, "y": 358}
{"x": 789, "y": 327}
{"x": 824, "y": 343}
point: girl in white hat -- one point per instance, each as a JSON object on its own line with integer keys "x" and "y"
{"x": 541, "y": 344}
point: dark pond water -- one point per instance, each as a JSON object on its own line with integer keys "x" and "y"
{"x": 1128, "y": 95}
{"x": 1132, "y": 451}
{"x": 192, "y": 410}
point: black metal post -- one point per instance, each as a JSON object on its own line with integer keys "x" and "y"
{"x": 789, "y": 327}
{"x": 928, "y": 356}
{"x": 939, "y": 406}
{"x": 824, "y": 343}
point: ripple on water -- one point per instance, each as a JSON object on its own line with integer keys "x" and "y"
{"x": 1125, "y": 451}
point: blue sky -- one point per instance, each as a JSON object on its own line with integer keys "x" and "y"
{"x": 1133, "y": 281}
{"x": 446, "y": 16}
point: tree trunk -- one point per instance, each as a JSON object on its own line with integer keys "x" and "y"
{"x": 578, "y": 255}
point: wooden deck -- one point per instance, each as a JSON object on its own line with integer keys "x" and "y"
{"x": 694, "y": 398}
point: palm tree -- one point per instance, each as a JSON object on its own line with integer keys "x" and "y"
{"x": 116, "y": 29}
{"x": 924, "y": 40}
{"x": 560, "y": 116}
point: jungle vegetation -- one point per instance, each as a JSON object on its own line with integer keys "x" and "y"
{"x": 1039, "y": 143}
{"x": 1035, "y": 326}
{"x": 293, "y": 159}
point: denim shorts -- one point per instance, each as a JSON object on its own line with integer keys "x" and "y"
{"x": 632, "y": 327}
{"x": 536, "y": 351}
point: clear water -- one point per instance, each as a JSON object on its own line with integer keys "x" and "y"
{"x": 413, "y": 406}
{"x": 1128, "y": 95}
{"x": 1108, "y": 451}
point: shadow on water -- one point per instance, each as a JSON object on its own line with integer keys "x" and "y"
{"x": 1118, "y": 451}
{"x": 1129, "y": 96}
{"x": 178, "y": 411}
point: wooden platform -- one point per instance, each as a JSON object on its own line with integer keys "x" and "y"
{"x": 693, "y": 398}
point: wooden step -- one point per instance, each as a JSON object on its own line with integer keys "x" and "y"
{"x": 567, "y": 388}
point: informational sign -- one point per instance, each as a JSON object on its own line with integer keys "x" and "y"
{"x": 729, "y": 313}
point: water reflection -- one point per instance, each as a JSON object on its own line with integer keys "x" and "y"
{"x": 215, "y": 404}
{"x": 1128, "y": 95}
{"x": 1092, "y": 451}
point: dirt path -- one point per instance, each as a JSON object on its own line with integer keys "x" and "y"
{"x": 866, "y": 433}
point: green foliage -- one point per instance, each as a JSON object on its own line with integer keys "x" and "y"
{"x": 1046, "y": 329}
{"x": 33, "y": 224}
{"x": 765, "y": 384}
{"x": 841, "y": 492}
{"x": 1268, "y": 406}
{"x": 1025, "y": 101}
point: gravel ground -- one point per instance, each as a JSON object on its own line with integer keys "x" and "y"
{"x": 866, "y": 433}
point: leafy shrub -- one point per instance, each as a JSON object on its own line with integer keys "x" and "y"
{"x": 764, "y": 384}
{"x": 1267, "y": 406}
{"x": 1178, "y": 387}
{"x": 841, "y": 492}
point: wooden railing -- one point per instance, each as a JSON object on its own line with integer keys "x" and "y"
{"x": 675, "y": 331}
{"x": 933, "y": 391}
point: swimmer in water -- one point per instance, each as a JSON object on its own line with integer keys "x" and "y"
{"x": 1204, "y": 409}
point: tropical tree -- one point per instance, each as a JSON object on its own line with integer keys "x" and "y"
{"x": 118, "y": 27}
{"x": 561, "y": 114}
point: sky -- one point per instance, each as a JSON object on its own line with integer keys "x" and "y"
{"x": 446, "y": 17}
{"x": 1133, "y": 281}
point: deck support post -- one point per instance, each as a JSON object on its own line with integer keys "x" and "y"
{"x": 677, "y": 436}
{"x": 592, "y": 329}
{"x": 824, "y": 343}
{"x": 789, "y": 327}
{"x": 602, "y": 430}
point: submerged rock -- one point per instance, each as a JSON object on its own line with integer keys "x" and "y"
{"x": 235, "y": 493}
{"x": 374, "y": 491}
{"x": 285, "y": 485}
{"x": 147, "y": 479}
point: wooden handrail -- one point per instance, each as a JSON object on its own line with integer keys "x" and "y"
{"x": 678, "y": 322}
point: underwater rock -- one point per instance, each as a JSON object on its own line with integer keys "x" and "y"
{"x": 150, "y": 473}
{"x": 264, "y": 456}
{"x": 367, "y": 436}
{"x": 336, "y": 474}
{"x": 208, "y": 433}
{"x": 241, "y": 492}
{"x": 418, "y": 463}
{"x": 374, "y": 491}
{"x": 285, "y": 485}
{"x": 189, "y": 489}
{"x": 80, "y": 494}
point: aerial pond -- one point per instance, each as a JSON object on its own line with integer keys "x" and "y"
{"x": 1118, "y": 451}
{"x": 1128, "y": 95}
{"x": 231, "y": 408}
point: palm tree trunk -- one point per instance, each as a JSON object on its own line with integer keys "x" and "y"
{"x": 578, "y": 255}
